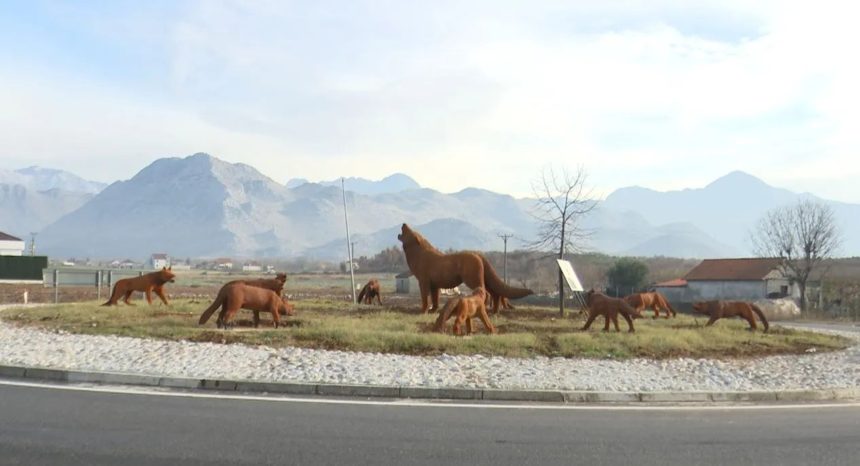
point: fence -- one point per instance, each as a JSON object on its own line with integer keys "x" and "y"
{"x": 96, "y": 278}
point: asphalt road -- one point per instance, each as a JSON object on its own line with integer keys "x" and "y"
{"x": 842, "y": 326}
{"x": 66, "y": 427}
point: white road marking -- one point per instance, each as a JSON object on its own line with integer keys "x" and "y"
{"x": 419, "y": 403}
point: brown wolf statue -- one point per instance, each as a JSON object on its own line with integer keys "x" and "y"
{"x": 503, "y": 303}
{"x": 601, "y": 305}
{"x": 435, "y": 270}
{"x": 147, "y": 283}
{"x": 275, "y": 284}
{"x": 465, "y": 308}
{"x": 651, "y": 300}
{"x": 369, "y": 291}
{"x": 238, "y": 295}
{"x": 719, "y": 309}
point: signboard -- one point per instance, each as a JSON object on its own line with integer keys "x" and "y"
{"x": 569, "y": 275}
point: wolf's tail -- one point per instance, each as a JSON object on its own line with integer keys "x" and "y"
{"x": 364, "y": 291}
{"x": 761, "y": 316}
{"x": 219, "y": 300}
{"x": 498, "y": 287}
{"x": 114, "y": 296}
{"x": 445, "y": 314}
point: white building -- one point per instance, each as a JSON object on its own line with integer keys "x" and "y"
{"x": 223, "y": 263}
{"x": 252, "y": 267}
{"x": 10, "y": 245}
{"x": 159, "y": 261}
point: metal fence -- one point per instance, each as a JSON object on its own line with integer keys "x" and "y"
{"x": 96, "y": 278}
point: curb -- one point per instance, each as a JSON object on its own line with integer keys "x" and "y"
{"x": 399, "y": 391}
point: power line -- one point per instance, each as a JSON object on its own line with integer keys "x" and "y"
{"x": 505, "y": 238}
{"x": 348, "y": 241}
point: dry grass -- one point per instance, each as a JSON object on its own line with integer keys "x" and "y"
{"x": 525, "y": 332}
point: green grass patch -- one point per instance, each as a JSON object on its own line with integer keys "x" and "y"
{"x": 337, "y": 325}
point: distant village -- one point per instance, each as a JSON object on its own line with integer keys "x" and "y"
{"x": 159, "y": 260}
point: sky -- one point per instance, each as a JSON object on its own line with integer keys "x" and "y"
{"x": 660, "y": 94}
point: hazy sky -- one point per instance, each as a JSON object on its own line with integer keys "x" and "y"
{"x": 482, "y": 93}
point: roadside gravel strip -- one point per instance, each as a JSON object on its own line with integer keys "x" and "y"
{"x": 35, "y": 348}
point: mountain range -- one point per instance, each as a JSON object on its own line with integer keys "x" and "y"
{"x": 390, "y": 184}
{"x": 33, "y": 197}
{"x": 201, "y": 206}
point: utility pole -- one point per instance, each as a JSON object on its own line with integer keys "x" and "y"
{"x": 348, "y": 242}
{"x": 32, "y": 243}
{"x": 505, "y": 267}
{"x": 353, "y": 248}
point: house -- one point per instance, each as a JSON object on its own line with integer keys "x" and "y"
{"x": 10, "y": 245}
{"x": 252, "y": 267}
{"x": 223, "y": 263}
{"x": 741, "y": 279}
{"x": 673, "y": 290}
{"x": 15, "y": 267}
{"x": 405, "y": 283}
{"x": 122, "y": 264}
{"x": 127, "y": 264}
{"x": 159, "y": 260}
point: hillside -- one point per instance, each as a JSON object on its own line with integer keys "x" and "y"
{"x": 200, "y": 206}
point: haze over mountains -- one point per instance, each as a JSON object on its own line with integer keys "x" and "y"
{"x": 200, "y": 206}
{"x": 390, "y": 184}
{"x": 33, "y": 197}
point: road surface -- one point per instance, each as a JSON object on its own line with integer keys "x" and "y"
{"x": 42, "y": 424}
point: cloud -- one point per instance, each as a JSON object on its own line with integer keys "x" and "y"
{"x": 660, "y": 94}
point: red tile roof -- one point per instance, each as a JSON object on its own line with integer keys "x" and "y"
{"x": 8, "y": 237}
{"x": 733, "y": 269}
{"x": 678, "y": 282}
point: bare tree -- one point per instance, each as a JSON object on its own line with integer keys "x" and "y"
{"x": 562, "y": 201}
{"x": 802, "y": 236}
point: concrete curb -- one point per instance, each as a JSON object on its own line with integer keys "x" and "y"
{"x": 442, "y": 393}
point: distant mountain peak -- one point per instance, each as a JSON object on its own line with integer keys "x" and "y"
{"x": 736, "y": 179}
{"x": 394, "y": 183}
{"x": 45, "y": 179}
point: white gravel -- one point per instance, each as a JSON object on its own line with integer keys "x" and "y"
{"x": 22, "y": 346}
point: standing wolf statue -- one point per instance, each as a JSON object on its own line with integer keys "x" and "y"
{"x": 435, "y": 271}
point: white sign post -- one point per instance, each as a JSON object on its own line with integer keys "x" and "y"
{"x": 569, "y": 275}
{"x": 572, "y": 280}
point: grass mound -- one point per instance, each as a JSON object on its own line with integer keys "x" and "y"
{"x": 524, "y": 332}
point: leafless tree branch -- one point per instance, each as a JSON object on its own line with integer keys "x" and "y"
{"x": 802, "y": 236}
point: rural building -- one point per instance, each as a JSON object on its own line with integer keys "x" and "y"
{"x": 405, "y": 283}
{"x": 252, "y": 267}
{"x": 223, "y": 263}
{"x": 742, "y": 279}
{"x": 15, "y": 267}
{"x": 674, "y": 290}
{"x": 125, "y": 264}
{"x": 159, "y": 260}
{"x": 10, "y": 245}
